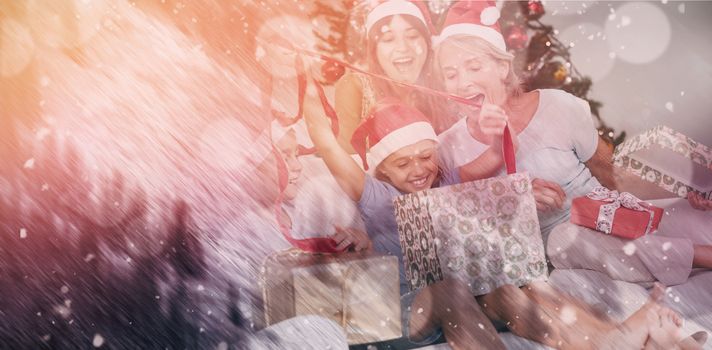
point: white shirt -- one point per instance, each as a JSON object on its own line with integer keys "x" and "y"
{"x": 554, "y": 146}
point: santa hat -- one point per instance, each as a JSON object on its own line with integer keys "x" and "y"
{"x": 398, "y": 7}
{"x": 390, "y": 127}
{"x": 278, "y": 131}
{"x": 476, "y": 18}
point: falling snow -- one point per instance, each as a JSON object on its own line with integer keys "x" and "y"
{"x": 98, "y": 340}
{"x": 629, "y": 248}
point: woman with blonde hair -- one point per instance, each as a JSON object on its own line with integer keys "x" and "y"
{"x": 561, "y": 150}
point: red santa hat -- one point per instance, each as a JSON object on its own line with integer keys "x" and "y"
{"x": 391, "y": 126}
{"x": 476, "y": 18}
{"x": 398, "y": 7}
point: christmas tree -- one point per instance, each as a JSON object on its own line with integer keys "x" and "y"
{"x": 541, "y": 60}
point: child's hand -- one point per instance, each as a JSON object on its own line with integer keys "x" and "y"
{"x": 357, "y": 239}
{"x": 697, "y": 202}
{"x": 548, "y": 195}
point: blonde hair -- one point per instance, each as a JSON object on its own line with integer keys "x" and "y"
{"x": 477, "y": 45}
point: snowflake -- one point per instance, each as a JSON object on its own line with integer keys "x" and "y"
{"x": 98, "y": 340}
{"x": 629, "y": 248}
{"x": 568, "y": 315}
{"x": 29, "y": 164}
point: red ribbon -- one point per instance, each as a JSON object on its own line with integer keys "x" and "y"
{"x": 318, "y": 244}
{"x": 508, "y": 151}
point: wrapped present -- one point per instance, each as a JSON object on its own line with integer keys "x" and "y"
{"x": 484, "y": 233}
{"x": 359, "y": 291}
{"x": 668, "y": 159}
{"x": 618, "y": 214}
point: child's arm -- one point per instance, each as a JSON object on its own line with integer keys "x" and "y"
{"x": 349, "y": 97}
{"x": 348, "y": 174}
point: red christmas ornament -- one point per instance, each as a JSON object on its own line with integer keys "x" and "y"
{"x": 332, "y": 71}
{"x": 516, "y": 37}
{"x": 535, "y": 9}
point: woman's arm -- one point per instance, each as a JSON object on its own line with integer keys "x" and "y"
{"x": 349, "y": 99}
{"x": 482, "y": 167}
{"x": 698, "y": 202}
{"x": 348, "y": 174}
{"x": 601, "y": 165}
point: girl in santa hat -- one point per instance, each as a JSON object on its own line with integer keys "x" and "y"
{"x": 558, "y": 142}
{"x": 403, "y": 151}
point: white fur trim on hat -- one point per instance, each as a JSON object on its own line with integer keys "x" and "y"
{"x": 489, "y": 16}
{"x": 397, "y": 139}
{"x": 487, "y": 33}
{"x": 300, "y": 132}
{"x": 392, "y": 8}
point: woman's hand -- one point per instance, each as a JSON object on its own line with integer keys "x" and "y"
{"x": 489, "y": 124}
{"x": 697, "y": 202}
{"x": 491, "y": 120}
{"x": 548, "y": 195}
{"x": 357, "y": 239}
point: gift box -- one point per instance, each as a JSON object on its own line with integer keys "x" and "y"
{"x": 484, "y": 233}
{"x": 359, "y": 291}
{"x": 617, "y": 214}
{"x": 668, "y": 159}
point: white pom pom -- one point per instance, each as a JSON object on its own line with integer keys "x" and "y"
{"x": 489, "y": 16}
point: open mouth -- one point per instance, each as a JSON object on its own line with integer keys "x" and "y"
{"x": 476, "y": 99}
{"x": 403, "y": 64}
{"x": 420, "y": 182}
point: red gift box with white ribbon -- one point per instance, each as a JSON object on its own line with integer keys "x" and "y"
{"x": 618, "y": 214}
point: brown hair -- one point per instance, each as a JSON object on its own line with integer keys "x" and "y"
{"x": 385, "y": 88}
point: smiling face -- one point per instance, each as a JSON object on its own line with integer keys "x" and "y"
{"x": 400, "y": 50}
{"x": 288, "y": 150}
{"x": 412, "y": 168}
{"x": 469, "y": 72}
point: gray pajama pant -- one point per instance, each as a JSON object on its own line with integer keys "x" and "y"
{"x": 665, "y": 255}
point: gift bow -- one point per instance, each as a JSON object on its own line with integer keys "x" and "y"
{"x": 604, "y": 222}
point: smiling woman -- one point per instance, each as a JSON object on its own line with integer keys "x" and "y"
{"x": 398, "y": 39}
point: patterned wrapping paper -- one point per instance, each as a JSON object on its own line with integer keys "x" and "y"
{"x": 627, "y": 155}
{"x": 484, "y": 233}
{"x": 359, "y": 291}
{"x": 417, "y": 239}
